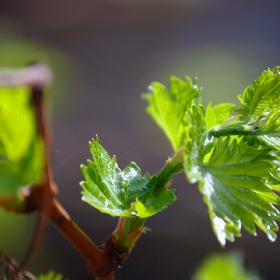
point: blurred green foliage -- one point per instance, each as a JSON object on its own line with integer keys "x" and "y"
{"x": 224, "y": 267}
{"x": 16, "y": 52}
{"x": 21, "y": 149}
{"x": 15, "y": 232}
{"x": 50, "y": 276}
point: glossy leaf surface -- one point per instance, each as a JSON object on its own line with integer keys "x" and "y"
{"x": 121, "y": 192}
{"x": 233, "y": 158}
{"x": 237, "y": 187}
{"x": 262, "y": 97}
{"x": 259, "y": 115}
{"x": 195, "y": 141}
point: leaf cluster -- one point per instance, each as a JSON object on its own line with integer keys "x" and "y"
{"x": 168, "y": 107}
{"x": 233, "y": 155}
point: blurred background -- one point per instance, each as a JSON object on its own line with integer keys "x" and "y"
{"x": 104, "y": 54}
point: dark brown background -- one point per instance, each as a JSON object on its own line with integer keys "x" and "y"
{"x": 111, "y": 51}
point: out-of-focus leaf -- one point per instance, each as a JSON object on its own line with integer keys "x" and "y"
{"x": 21, "y": 149}
{"x": 224, "y": 267}
{"x": 50, "y": 276}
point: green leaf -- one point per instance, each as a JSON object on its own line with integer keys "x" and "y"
{"x": 218, "y": 114}
{"x": 224, "y": 266}
{"x": 261, "y": 97}
{"x": 234, "y": 158}
{"x": 121, "y": 193}
{"x": 196, "y": 133}
{"x": 238, "y": 183}
{"x": 21, "y": 149}
{"x": 259, "y": 115}
{"x": 235, "y": 178}
{"x": 271, "y": 123}
{"x": 50, "y": 276}
{"x": 168, "y": 108}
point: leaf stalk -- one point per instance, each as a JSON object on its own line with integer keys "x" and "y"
{"x": 172, "y": 166}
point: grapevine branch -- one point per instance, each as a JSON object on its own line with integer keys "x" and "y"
{"x": 43, "y": 197}
{"x": 103, "y": 260}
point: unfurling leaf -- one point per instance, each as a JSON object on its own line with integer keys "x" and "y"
{"x": 121, "y": 193}
{"x": 262, "y": 97}
{"x": 168, "y": 107}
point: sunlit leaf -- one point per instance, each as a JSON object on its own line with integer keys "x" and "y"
{"x": 259, "y": 114}
{"x": 234, "y": 158}
{"x": 195, "y": 141}
{"x": 237, "y": 187}
{"x": 218, "y": 114}
{"x": 168, "y": 107}
{"x": 262, "y": 97}
{"x": 121, "y": 193}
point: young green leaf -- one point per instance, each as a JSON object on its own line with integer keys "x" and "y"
{"x": 168, "y": 107}
{"x": 121, "y": 193}
{"x": 235, "y": 179}
{"x": 195, "y": 141}
{"x": 21, "y": 150}
{"x": 237, "y": 186}
{"x": 218, "y": 114}
{"x": 233, "y": 157}
{"x": 262, "y": 97}
{"x": 259, "y": 114}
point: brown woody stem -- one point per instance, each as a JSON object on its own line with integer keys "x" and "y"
{"x": 101, "y": 262}
{"x": 98, "y": 259}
